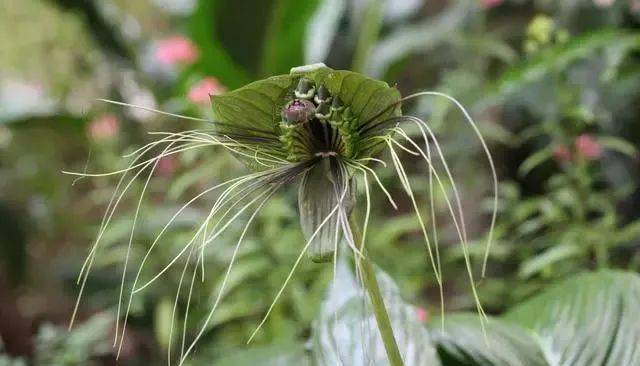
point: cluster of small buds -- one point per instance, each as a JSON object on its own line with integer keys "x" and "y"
{"x": 543, "y": 32}
{"x": 315, "y": 104}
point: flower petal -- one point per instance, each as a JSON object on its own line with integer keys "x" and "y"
{"x": 322, "y": 188}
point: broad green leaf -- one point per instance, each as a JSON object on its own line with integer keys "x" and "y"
{"x": 462, "y": 342}
{"x": 589, "y": 319}
{"x": 253, "y": 106}
{"x": 346, "y": 332}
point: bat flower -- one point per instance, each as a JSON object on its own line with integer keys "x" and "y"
{"x": 316, "y": 124}
{"x": 316, "y": 127}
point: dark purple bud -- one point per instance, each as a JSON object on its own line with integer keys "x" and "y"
{"x": 305, "y": 89}
{"x": 322, "y": 95}
{"x": 298, "y": 110}
{"x": 337, "y": 104}
{"x": 323, "y": 111}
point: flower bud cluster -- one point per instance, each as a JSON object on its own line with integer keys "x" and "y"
{"x": 315, "y": 123}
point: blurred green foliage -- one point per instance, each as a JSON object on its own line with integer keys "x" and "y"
{"x": 555, "y": 87}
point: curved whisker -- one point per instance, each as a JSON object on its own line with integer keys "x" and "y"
{"x": 453, "y": 216}
{"x": 295, "y": 266}
{"x": 184, "y": 354}
{"x": 407, "y": 186}
{"x": 476, "y": 130}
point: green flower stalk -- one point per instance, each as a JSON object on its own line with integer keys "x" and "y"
{"x": 322, "y": 128}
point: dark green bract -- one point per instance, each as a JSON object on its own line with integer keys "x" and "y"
{"x": 310, "y": 124}
{"x": 346, "y": 103}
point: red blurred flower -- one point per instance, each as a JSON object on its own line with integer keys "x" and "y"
{"x": 588, "y": 146}
{"x": 422, "y": 314}
{"x": 200, "y": 93}
{"x": 167, "y": 165}
{"x": 561, "y": 154}
{"x": 176, "y": 50}
{"x": 487, "y": 4}
{"x": 103, "y": 127}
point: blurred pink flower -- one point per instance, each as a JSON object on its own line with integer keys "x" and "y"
{"x": 561, "y": 154}
{"x": 103, "y": 127}
{"x": 603, "y": 3}
{"x": 176, "y": 50}
{"x": 589, "y": 147}
{"x": 487, "y": 4}
{"x": 422, "y": 314}
{"x": 200, "y": 93}
{"x": 634, "y": 6}
{"x": 167, "y": 166}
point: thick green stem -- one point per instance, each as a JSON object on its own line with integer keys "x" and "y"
{"x": 379, "y": 309}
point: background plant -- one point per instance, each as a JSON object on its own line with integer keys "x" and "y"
{"x": 542, "y": 79}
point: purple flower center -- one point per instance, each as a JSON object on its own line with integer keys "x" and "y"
{"x": 298, "y": 110}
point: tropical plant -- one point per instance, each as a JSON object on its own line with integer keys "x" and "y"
{"x": 315, "y": 124}
{"x": 552, "y": 85}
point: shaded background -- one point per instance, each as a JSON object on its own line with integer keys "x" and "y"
{"x": 554, "y": 86}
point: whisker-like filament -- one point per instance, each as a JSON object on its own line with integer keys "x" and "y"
{"x": 362, "y": 167}
{"x": 175, "y": 306}
{"x": 149, "y": 109}
{"x": 295, "y": 266}
{"x": 460, "y": 225}
{"x": 485, "y": 148}
{"x": 290, "y": 141}
{"x": 84, "y": 272}
{"x": 453, "y": 216}
{"x": 382, "y": 162}
{"x": 130, "y": 243}
{"x": 189, "y": 118}
{"x": 87, "y": 265}
{"x": 186, "y": 311}
{"x": 145, "y": 163}
{"x": 270, "y": 193}
{"x": 434, "y": 228}
{"x": 173, "y": 261}
{"x": 407, "y": 186}
{"x": 156, "y": 240}
{"x": 342, "y": 214}
{"x": 334, "y": 283}
{"x": 367, "y": 213}
{"x": 256, "y": 180}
